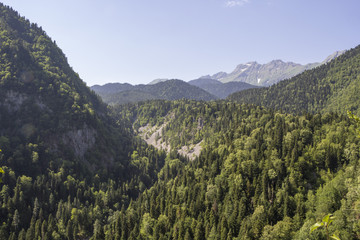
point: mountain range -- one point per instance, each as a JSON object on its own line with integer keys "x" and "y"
{"x": 267, "y": 74}
{"x": 333, "y": 86}
{"x": 117, "y": 93}
{"x": 219, "y": 89}
{"x": 219, "y": 85}
{"x": 279, "y": 162}
{"x": 198, "y": 89}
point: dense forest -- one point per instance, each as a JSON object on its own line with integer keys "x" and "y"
{"x": 262, "y": 174}
{"x": 75, "y": 168}
{"x": 60, "y": 147}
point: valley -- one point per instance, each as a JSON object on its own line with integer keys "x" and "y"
{"x": 207, "y": 159}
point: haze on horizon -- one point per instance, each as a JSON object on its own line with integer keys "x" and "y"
{"x": 138, "y": 41}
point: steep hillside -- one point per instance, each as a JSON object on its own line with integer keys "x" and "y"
{"x": 75, "y": 169}
{"x": 331, "y": 87}
{"x": 219, "y": 89}
{"x": 43, "y": 101}
{"x": 58, "y": 143}
{"x": 180, "y": 126}
{"x": 169, "y": 90}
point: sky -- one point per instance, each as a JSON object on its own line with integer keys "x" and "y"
{"x": 137, "y": 41}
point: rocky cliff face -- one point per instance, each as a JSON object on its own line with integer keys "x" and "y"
{"x": 80, "y": 140}
{"x": 153, "y": 135}
{"x": 13, "y": 100}
{"x": 332, "y": 56}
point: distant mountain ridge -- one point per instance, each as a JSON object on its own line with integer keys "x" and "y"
{"x": 158, "y": 80}
{"x": 112, "y": 88}
{"x": 119, "y": 93}
{"x": 267, "y": 74}
{"x": 219, "y": 89}
{"x": 219, "y": 85}
{"x": 331, "y": 87}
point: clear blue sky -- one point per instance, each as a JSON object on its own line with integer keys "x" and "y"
{"x": 137, "y": 41}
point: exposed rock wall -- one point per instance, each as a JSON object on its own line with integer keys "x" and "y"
{"x": 153, "y": 136}
{"x": 80, "y": 140}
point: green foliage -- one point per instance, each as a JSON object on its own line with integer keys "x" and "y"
{"x": 261, "y": 174}
{"x": 65, "y": 160}
{"x": 356, "y": 119}
{"x": 1, "y": 170}
{"x": 326, "y": 221}
{"x": 123, "y": 97}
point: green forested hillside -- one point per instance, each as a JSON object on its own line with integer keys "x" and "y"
{"x": 187, "y": 122}
{"x": 330, "y": 87}
{"x": 261, "y": 175}
{"x": 75, "y": 169}
{"x": 117, "y": 93}
{"x": 62, "y": 154}
{"x": 45, "y": 103}
{"x": 110, "y": 88}
{"x": 128, "y": 96}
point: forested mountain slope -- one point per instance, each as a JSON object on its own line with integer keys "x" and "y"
{"x": 110, "y": 88}
{"x": 117, "y": 93}
{"x": 181, "y": 126}
{"x": 74, "y": 169}
{"x": 334, "y": 86}
{"x": 61, "y": 152}
{"x": 261, "y": 175}
{"x": 43, "y": 101}
{"x": 128, "y": 96}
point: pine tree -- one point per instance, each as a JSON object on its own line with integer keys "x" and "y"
{"x": 16, "y": 220}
